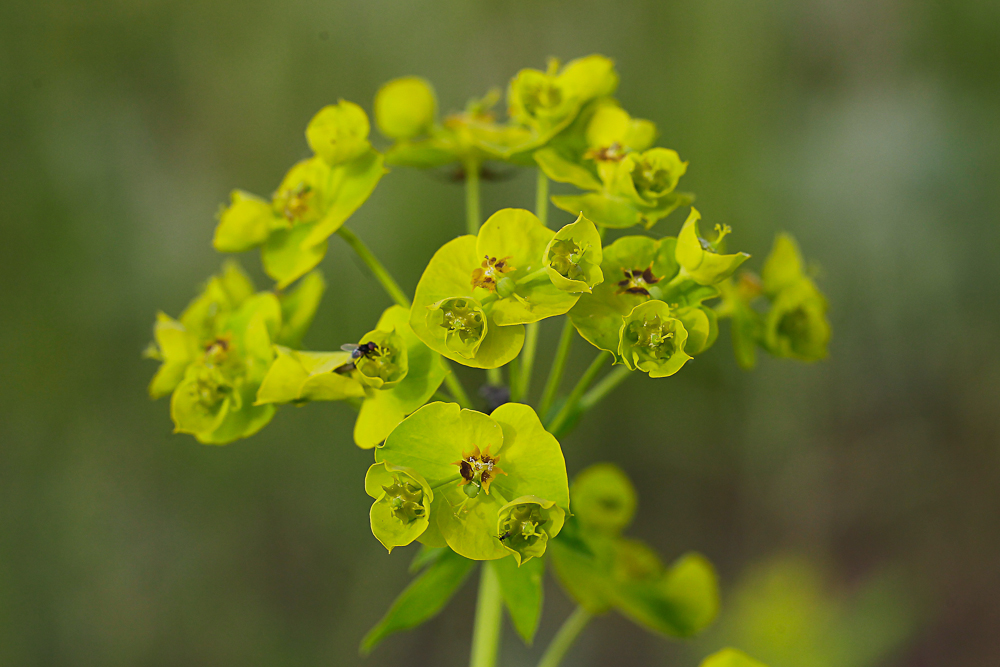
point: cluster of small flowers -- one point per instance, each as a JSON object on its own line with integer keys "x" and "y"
{"x": 486, "y": 486}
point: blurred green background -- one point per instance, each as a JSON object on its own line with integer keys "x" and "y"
{"x": 851, "y": 506}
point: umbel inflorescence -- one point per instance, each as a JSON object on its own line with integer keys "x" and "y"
{"x": 471, "y": 486}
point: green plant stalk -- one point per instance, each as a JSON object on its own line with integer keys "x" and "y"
{"x": 473, "y": 216}
{"x": 565, "y": 637}
{"x": 392, "y": 288}
{"x": 519, "y": 388}
{"x": 381, "y": 274}
{"x": 607, "y": 384}
{"x": 542, "y": 197}
{"x": 486, "y": 632}
{"x": 556, "y": 425}
{"x": 556, "y": 370}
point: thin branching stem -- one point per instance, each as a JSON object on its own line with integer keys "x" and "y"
{"x": 605, "y": 386}
{"x": 565, "y": 637}
{"x": 559, "y": 422}
{"x": 556, "y": 370}
{"x": 389, "y": 284}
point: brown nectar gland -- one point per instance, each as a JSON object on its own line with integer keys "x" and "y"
{"x": 297, "y": 204}
{"x": 492, "y": 269}
{"x": 612, "y": 153}
{"x": 636, "y": 281}
{"x": 479, "y": 468}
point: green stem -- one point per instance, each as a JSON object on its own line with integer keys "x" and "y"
{"x": 381, "y": 274}
{"x": 567, "y": 634}
{"x": 519, "y": 389}
{"x": 473, "y": 217}
{"x": 604, "y": 387}
{"x": 569, "y": 407}
{"x": 542, "y": 197}
{"x": 455, "y": 386}
{"x": 486, "y": 632}
{"x": 494, "y": 377}
{"x": 556, "y": 371}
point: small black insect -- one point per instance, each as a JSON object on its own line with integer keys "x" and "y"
{"x": 505, "y": 536}
{"x": 357, "y": 352}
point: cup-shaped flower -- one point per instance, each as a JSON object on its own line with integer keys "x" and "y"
{"x": 525, "y": 525}
{"x": 338, "y": 133}
{"x": 603, "y": 498}
{"x": 701, "y": 258}
{"x": 588, "y": 152}
{"x": 402, "y": 507}
{"x": 652, "y": 340}
{"x": 634, "y": 269}
{"x": 409, "y": 372}
{"x": 477, "y": 290}
{"x": 476, "y": 465}
{"x": 216, "y": 355}
{"x": 547, "y": 102}
{"x": 381, "y": 359}
{"x": 312, "y": 202}
{"x": 796, "y": 325}
{"x": 650, "y": 178}
{"x": 573, "y": 257}
{"x": 405, "y": 107}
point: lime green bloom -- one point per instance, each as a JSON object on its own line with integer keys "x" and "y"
{"x": 547, "y": 102}
{"x": 796, "y": 326}
{"x": 602, "y": 570}
{"x": 405, "y": 108}
{"x": 402, "y": 504}
{"x": 701, "y": 259}
{"x": 573, "y": 257}
{"x": 312, "y": 202}
{"x": 588, "y": 152}
{"x": 477, "y": 291}
{"x": 390, "y": 369}
{"x": 652, "y": 340}
{"x": 482, "y": 468}
{"x": 525, "y": 524}
{"x": 471, "y": 136}
{"x": 216, "y": 355}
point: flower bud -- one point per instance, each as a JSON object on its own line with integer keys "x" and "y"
{"x": 573, "y": 257}
{"x": 603, "y": 498}
{"x": 405, "y": 107}
{"x": 339, "y": 133}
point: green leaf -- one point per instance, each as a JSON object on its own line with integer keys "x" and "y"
{"x": 422, "y": 599}
{"x": 603, "y": 498}
{"x": 680, "y": 603}
{"x": 339, "y": 133}
{"x": 605, "y": 211}
{"x": 353, "y": 183}
{"x": 562, "y": 170}
{"x": 730, "y": 657}
{"x": 308, "y": 376}
{"x": 700, "y": 259}
{"x": 298, "y": 307}
{"x": 702, "y": 326}
{"x": 405, "y": 107}
{"x": 421, "y": 154}
{"x": 425, "y": 556}
{"x": 177, "y": 349}
{"x": 531, "y": 457}
{"x": 521, "y": 588}
{"x": 612, "y": 125}
{"x": 245, "y": 223}
{"x": 573, "y": 257}
{"x": 285, "y": 256}
{"x": 447, "y": 280}
{"x": 582, "y": 568}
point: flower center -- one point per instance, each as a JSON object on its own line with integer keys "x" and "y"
{"x": 478, "y": 470}
{"x": 405, "y": 500}
{"x": 612, "y": 153}
{"x": 217, "y": 350}
{"x": 523, "y": 526}
{"x": 637, "y": 282}
{"x": 654, "y": 336}
{"x": 462, "y": 319}
{"x": 492, "y": 269}
{"x": 297, "y": 202}
{"x": 565, "y": 258}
